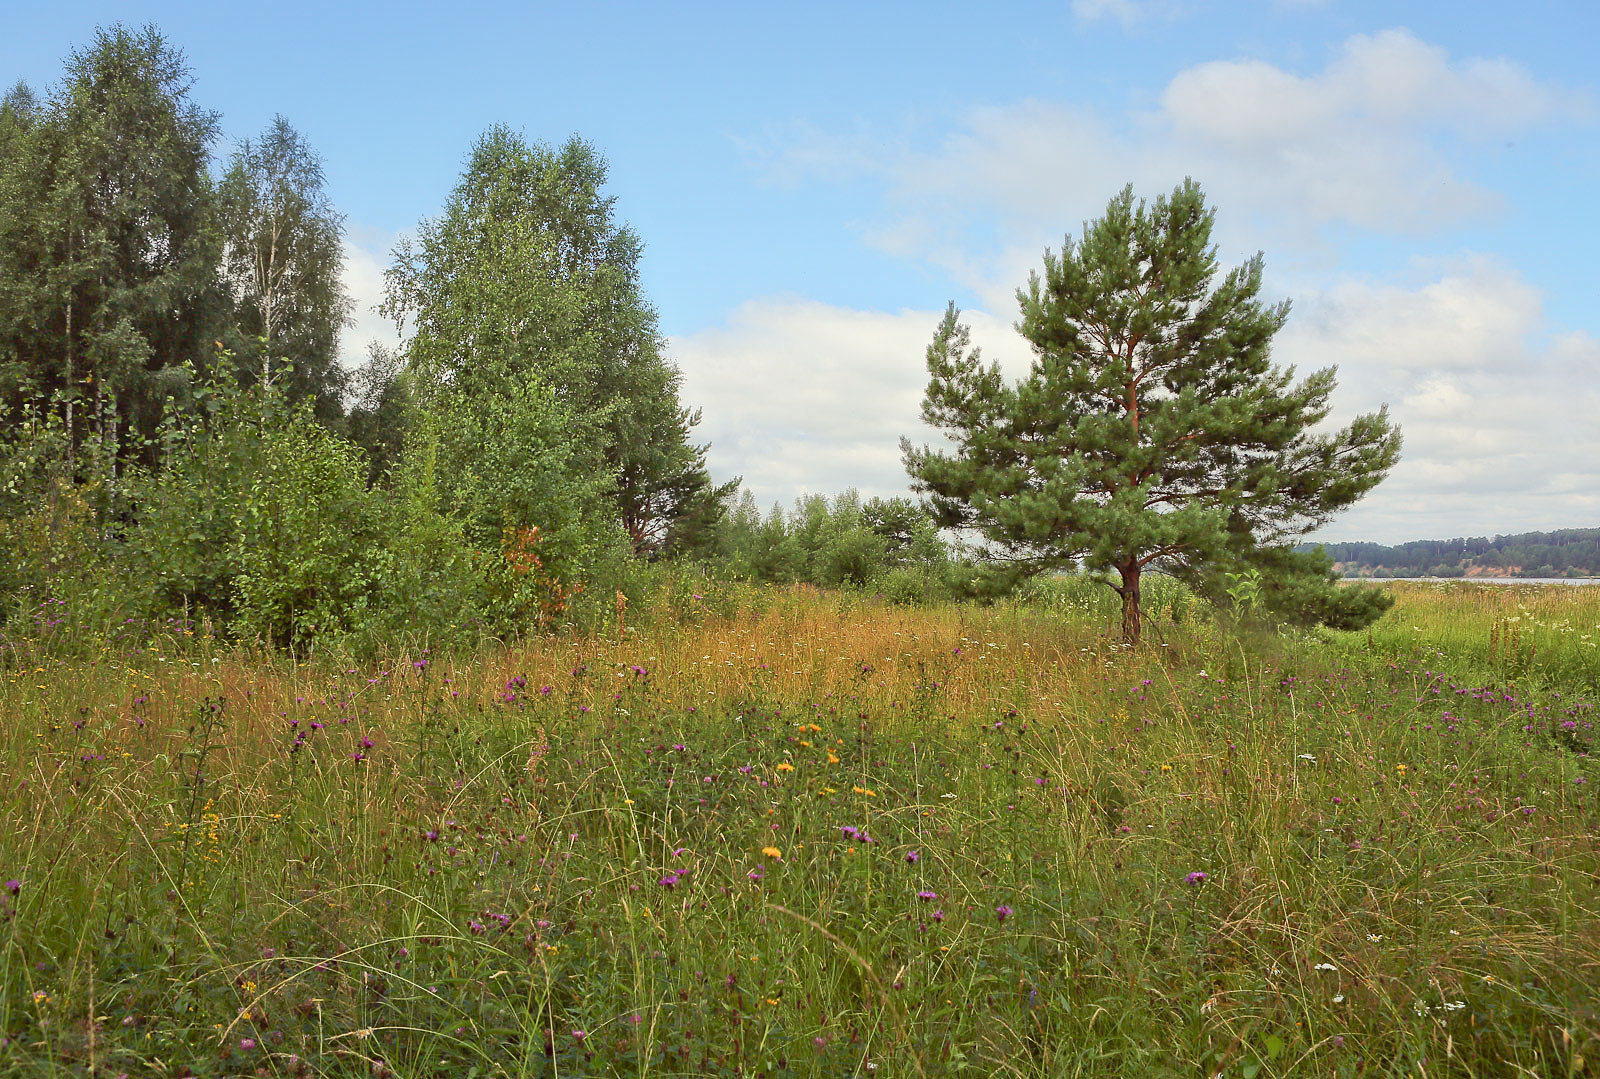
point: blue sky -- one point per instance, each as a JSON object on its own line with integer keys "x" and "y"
{"x": 814, "y": 183}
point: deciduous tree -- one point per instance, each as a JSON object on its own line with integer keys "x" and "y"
{"x": 282, "y": 259}
{"x": 528, "y": 274}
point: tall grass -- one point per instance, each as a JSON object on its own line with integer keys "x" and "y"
{"x": 798, "y": 834}
{"x": 1540, "y": 636}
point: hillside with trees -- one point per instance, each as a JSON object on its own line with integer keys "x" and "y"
{"x": 1568, "y": 552}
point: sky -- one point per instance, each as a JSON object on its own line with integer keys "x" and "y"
{"x": 815, "y": 183}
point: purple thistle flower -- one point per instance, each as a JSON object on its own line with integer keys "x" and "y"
{"x": 912, "y": 856}
{"x": 927, "y": 896}
{"x": 13, "y": 886}
{"x": 1195, "y": 879}
{"x": 1002, "y": 912}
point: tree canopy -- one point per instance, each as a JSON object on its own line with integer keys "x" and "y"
{"x": 108, "y": 247}
{"x": 281, "y": 260}
{"x": 527, "y": 275}
{"x": 1152, "y": 430}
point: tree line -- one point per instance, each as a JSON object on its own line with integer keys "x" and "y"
{"x": 1568, "y": 552}
{"x": 180, "y": 440}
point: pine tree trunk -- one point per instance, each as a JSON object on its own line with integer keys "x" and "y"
{"x": 1132, "y": 614}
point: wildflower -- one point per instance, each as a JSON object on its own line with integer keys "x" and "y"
{"x": 1338, "y": 998}
{"x": 1002, "y": 912}
{"x": 927, "y": 896}
{"x": 1196, "y": 878}
{"x": 1308, "y": 757}
{"x": 247, "y": 1044}
{"x": 757, "y": 873}
{"x": 669, "y": 880}
{"x": 772, "y": 852}
{"x": 785, "y": 766}
{"x": 1325, "y": 966}
{"x": 913, "y": 857}
{"x": 13, "y": 886}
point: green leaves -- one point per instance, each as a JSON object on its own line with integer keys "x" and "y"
{"x": 527, "y": 278}
{"x": 281, "y": 260}
{"x": 106, "y": 236}
{"x": 1153, "y": 429}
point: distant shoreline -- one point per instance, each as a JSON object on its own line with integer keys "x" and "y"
{"x": 1478, "y": 580}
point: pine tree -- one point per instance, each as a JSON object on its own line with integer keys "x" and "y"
{"x": 1152, "y": 430}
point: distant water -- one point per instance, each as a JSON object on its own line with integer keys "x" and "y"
{"x": 1483, "y": 580}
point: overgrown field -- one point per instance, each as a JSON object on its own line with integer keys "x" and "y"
{"x": 813, "y": 835}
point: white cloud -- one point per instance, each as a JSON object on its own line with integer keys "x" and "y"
{"x": 1375, "y": 140}
{"x": 366, "y": 256}
{"x": 1129, "y": 13}
{"x": 1498, "y": 413}
{"x": 803, "y": 397}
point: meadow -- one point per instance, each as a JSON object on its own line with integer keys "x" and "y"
{"x": 782, "y": 832}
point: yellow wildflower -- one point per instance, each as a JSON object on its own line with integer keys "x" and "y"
{"x": 772, "y": 852}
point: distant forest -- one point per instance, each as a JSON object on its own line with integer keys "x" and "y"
{"x": 1570, "y": 552}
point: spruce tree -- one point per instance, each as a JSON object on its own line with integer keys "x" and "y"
{"x": 1153, "y": 430}
{"x": 107, "y": 240}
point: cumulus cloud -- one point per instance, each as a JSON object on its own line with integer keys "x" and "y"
{"x": 804, "y": 397}
{"x": 1498, "y": 411}
{"x": 366, "y": 256}
{"x": 1375, "y": 140}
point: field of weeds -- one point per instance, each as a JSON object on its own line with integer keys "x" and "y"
{"x": 817, "y": 836}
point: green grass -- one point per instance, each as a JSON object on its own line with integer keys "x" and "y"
{"x": 1540, "y": 636}
{"x": 507, "y": 866}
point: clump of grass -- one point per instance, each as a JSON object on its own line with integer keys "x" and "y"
{"x": 805, "y": 836}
